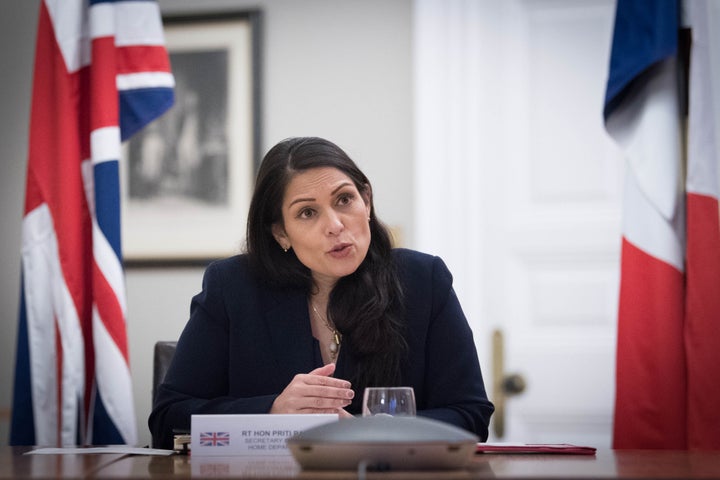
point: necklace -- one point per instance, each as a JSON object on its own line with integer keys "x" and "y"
{"x": 337, "y": 336}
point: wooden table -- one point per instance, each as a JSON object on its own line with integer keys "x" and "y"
{"x": 624, "y": 464}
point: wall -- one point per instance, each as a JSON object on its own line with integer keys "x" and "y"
{"x": 334, "y": 68}
{"x": 18, "y": 20}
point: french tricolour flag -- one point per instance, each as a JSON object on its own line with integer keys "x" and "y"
{"x": 101, "y": 74}
{"x": 660, "y": 107}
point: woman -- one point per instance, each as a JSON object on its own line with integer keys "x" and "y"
{"x": 320, "y": 307}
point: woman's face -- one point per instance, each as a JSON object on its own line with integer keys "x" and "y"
{"x": 326, "y": 223}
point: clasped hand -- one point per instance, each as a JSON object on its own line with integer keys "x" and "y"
{"x": 315, "y": 392}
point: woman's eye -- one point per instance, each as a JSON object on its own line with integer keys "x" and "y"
{"x": 344, "y": 199}
{"x": 305, "y": 213}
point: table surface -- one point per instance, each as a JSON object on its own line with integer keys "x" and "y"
{"x": 624, "y": 464}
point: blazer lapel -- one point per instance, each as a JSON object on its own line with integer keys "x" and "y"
{"x": 288, "y": 324}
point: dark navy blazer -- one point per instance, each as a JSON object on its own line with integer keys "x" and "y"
{"x": 244, "y": 343}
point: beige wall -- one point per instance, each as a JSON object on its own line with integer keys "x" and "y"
{"x": 18, "y": 20}
{"x": 335, "y": 68}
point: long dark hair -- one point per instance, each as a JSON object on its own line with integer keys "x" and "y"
{"x": 366, "y": 306}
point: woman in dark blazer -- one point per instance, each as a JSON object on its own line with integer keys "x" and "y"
{"x": 320, "y": 307}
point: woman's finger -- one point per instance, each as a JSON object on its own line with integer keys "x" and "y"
{"x": 324, "y": 371}
{"x": 314, "y": 391}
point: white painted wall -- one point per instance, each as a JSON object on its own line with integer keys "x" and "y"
{"x": 334, "y": 68}
{"x": 341, "y": 69}
{"x": 18, "y": 20}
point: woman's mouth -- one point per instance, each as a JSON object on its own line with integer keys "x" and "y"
{"x": 340, "y": 250}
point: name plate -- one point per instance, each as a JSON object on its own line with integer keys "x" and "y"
{"x": 222, "y": 435}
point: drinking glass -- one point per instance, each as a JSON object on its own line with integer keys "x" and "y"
{"x": 392, "y": 401}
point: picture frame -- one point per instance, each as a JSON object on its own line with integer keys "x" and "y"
{"x": 188, "y": 176}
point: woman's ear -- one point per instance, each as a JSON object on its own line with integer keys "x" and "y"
{"x": 281, "y": 237}
{"x": 367, "y": 197}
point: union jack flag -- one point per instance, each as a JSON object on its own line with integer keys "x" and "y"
{"x": 101, "y": 74}
{"x": 215, "y": 439}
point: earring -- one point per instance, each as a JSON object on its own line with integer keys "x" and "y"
{"x": 285, "y": 249}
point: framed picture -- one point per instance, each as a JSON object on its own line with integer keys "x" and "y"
{"x": 188, "y": 176}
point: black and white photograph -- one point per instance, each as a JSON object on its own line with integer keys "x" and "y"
{"x": 188, "y": 175}
{"x": 183, "y": 156}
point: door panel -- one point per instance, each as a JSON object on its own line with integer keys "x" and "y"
{"x": 525, "y": 203}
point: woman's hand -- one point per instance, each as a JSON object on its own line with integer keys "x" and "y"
{"x": 314, "y": 392}
{"x": 344, "y": 413}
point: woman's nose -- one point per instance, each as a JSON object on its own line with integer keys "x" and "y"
{"x": 334, "y": 224}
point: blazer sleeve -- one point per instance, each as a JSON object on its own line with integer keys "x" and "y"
{"x": 197, "y": 379}
{"x": 452, "y": 390}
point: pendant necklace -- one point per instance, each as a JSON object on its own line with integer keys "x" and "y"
{"x": 336, "y": 336}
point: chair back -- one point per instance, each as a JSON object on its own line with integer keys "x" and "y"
{"x": 162, "y": 357}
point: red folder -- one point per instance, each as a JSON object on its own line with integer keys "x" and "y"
{"x": 563, "y": 448}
